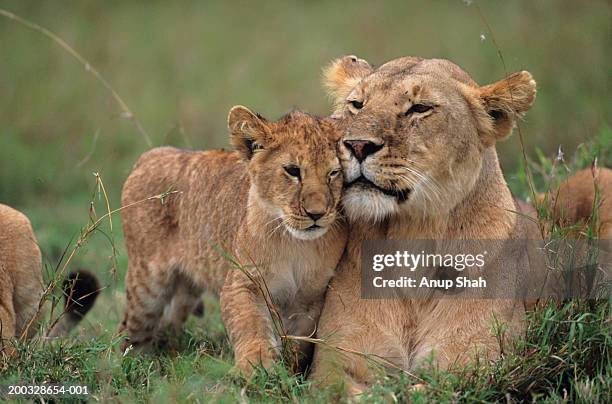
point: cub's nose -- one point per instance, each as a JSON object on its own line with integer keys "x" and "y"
{"x": 315, "y": 215}
{"x": 362, "y": 148}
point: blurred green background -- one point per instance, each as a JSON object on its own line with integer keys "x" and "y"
{"x": 180, "y": 66}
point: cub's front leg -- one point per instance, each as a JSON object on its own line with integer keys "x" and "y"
{"x": 248, "y": 322}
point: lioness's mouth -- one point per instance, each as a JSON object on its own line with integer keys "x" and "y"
{"x": 400, "y": 194}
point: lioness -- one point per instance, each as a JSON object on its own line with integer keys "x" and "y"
{"x": 271, "y": 205}
{"x": 22, "y": 286}
{"x": 419, "y": 162}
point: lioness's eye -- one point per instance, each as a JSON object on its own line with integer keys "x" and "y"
{"x": 418, "y": 108}
{"x": 356, "y": 104}
{"x": 293, "y": 171}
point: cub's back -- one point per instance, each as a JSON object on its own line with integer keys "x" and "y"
{"x": 206, "y": 202}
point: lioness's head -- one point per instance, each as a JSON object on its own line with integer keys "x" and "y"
{"x": 416, "y": 132}
{"x": 293, "y": 166}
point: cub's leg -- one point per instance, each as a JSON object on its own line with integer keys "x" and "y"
{"x": 248, "y": 323}
{"x": 148, "y": 290}
{"x": 185, "y": 301}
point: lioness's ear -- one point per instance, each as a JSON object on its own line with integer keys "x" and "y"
{"x": 248, "y": 131}
{"x": 341, "y": 75}
{"x": 506, "y": 101}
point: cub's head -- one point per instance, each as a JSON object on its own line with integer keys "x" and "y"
{"x": 293, "y": 166}
{"x": 417, "y": 132}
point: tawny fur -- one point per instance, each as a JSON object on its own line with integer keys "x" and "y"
{"x": 445, "y": 161}
{"x": 343, "y": 74}
{"x": 579, "y": 196}
{"x": 582, "y": 200}
{"x": 22, "y": 287}
{"x": 581, "y": 203}
{"x": 241, "y": 204}
{"x": 21, "y": 283}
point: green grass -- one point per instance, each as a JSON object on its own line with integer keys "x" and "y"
{"x": 566, "y": 355}
{"x": 180, "y": 67}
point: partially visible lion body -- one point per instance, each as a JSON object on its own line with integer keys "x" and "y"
{"x": 22, "y": 286}
{"x": 419, "y": 163}
{"x": 582, "y": 200}
{"x": 21, "y": 282}
{"x": 582, "y": 194}
{"x": 185, "y": 245}
{"x": 581, "y": 206}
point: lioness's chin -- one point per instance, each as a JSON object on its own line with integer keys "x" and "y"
{"x": 307, "y": 234}
{"x": 368, "y": 204}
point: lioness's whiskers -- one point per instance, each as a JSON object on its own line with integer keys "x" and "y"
{"x": 423, "y": 191}
{"x": 426, "y": 181}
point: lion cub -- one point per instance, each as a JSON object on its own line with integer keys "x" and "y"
{"x": 271, "y": 206}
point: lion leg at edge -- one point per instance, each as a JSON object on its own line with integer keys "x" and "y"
{"x": 7, "y": 317}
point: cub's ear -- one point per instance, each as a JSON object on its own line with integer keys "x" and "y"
{"x": 341, "y": 75}
{"x": 248, "y": 131}
{"x": 505, "y": 102}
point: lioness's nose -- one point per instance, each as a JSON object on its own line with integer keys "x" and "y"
{"x": 362, "y": 148}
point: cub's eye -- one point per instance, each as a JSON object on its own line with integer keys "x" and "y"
{"x": 356, "y": 104}
{"x": 293, "y": 171}
{"x": 418, "y": 108}
{"x": 334, "y": 173}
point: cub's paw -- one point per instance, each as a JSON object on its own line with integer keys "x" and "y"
{"x": 262, "y": 356}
